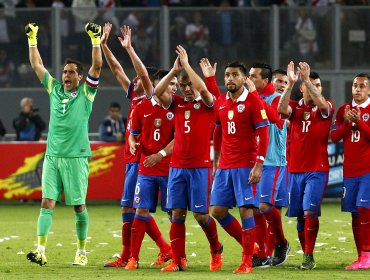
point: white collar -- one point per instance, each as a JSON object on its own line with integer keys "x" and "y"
{"x": 242, "y": 97}
{"x": 363, "y": 105}
{"x": 196, "y": 99}
{"x": 154, "y": 102}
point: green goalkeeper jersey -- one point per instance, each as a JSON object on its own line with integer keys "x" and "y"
{"x": 69, "y": 118}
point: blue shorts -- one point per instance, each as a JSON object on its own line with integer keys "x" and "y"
{"x": 146, "y": 192}
{"x": 231, "y": 188}
{"x": 272, "y": 188}
{"x": 356, "y": 193}
{"x": 127, "y": 199}
{"x": 306, "y": 191}
{"x": 188, "y": 188}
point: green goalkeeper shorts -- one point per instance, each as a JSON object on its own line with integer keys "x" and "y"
{"x": 65, "y": 175}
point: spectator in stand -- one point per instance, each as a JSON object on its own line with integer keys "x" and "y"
{"x": 112, "y": 128}
{"x": 28, "y": 125}
{"x": 2, "y": 129}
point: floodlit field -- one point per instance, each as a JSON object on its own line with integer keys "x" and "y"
{"x": 334, "y": 248}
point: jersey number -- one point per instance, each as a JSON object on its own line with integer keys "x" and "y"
{"x": 355, "y": 137}
{"x": 157, "y": 134}
{"x": 187, "y": 127}
{"x": 231, "y": 129}
{"x": 305, "y": 125}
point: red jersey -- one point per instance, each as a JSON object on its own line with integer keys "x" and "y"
{"x": 193, "y": 125}
{"x": 356, "y": 140}
{"x": 156, "y": 127}
{"x": 239, "y": 121}
{"x": 135, "y": 100}
{"x": 309, "y": 135}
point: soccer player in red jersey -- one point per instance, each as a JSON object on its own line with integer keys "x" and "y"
{"x": 243, "y": 119}
{"x": 190, "y": 168}
{"x": 310, "y": 121}
{"x": 155, "y": 126}
{"x": 137, "y": 90}
{"x": 352, "y": 124}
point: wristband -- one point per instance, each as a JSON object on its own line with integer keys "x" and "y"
{"x": 163, "y": 153}
{"x": 260, "y": 159}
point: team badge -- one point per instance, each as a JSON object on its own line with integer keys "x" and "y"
{"x": 74, "y": 94}
{"x": 306, "y": 115}
{"x": 263, "y": 114}
{"x": 137, "y": 199}
{"x": 241, "y": 108}
{"x": 158, "y": 122}
{"x": 314, "y": 109}
{"x": 187, "y": 115}
{"x": 365, "y": 117}
{"x": 230, "y": 114}
{"x": 169, "y": 116}
{"x": 196, "y": 106}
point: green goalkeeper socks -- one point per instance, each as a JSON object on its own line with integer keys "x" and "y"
{"x": 82, "y": 226}
{"x": 43, "y": 225}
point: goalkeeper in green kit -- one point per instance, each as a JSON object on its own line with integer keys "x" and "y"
{"x": 66, "y": 159}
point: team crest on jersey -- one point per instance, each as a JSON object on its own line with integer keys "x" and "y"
{"x": 74, "y": 94}
{"x": 306, "y": 115}
{"x": 230, "y": 114}
{"x": 137, "y": 199}
{"x": 158, "y": 122}
{"x": 365, "y": 117}
{"x": 169, "y": 116}
{"x": 187, "y": 115}
{"x": 263, "y": 114}
{"x": 241, "y": 108}
{"x": 196, "y": 106}
{"x": 314, "y": 109}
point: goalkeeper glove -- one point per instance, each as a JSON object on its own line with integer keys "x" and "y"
{"x": 94, "y": 31}
{"x": 31, "y": 31}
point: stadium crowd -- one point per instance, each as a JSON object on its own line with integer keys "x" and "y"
{"x": 270, "y": 152}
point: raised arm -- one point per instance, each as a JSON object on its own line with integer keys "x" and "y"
{"x": 197, "y": 82}
{"x": 161, "y": 88}
{"x": 283, "y": 106}
{"x": 136, "y": 62}
{"x": 94, "y": 31}
{"x": 112, "y": 61}
{"x": 34, "y": 55}
{"x": 209, "y": 73}
{"x": 314, "y": 92}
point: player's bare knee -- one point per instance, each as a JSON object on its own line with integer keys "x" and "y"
{"x": 219, "y": 213}
{"x": 48, "y": 203}
{"x": 142, "y": 212}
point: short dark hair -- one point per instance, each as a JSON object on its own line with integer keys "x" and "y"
{"x": 266, "y": 70}
{"x": 151, "y": 72}
{"x": 237, "y": 64}
{"x": 160, "y": 74}
{"x": 183, "y": 75}
{"x": 78, "y": 64}
{"x": 279, "y": 71}
{"x": 363, "y": 75}
{"x": 115, "y": 105}
{"x": 314, "y": 75}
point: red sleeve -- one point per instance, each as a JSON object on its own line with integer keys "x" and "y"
{"x": 217, "y": 138}
{"x": 275, "y": 102}
{"x": 339, "y": 127}
{"x": 135, "y": 121}
{"x": 273, "y": 115}
{"x": 263, "y": 143}
{"x": 212, "y": 86}
{"x": 363, "y": 128}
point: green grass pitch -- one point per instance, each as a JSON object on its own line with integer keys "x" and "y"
{"x": 334, "y": 249}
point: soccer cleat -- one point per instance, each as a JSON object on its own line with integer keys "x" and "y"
{"x": 162, "y": 259}
{"x": 132, "y": 264}
{"x": 119, "y": 262}
{"x": 172, "y": 267}
{"x": 308, "y": 262}
{"x": 262, "y": 263}
{"x": 243, "y": 269}
{"x": 365, "y": 260}
{"x": 280, "y": 253}
{"x": 80, "y": 259}
{"x": 37, "y": 256}
{"x": 184, "y": 263}
{"x": 216, "y": 259}
{"x": 355, "y": 265}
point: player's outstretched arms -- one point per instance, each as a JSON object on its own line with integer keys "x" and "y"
{"x": 209, "y": 73}
{"x": 94, "y": 31}
{"x": 161, "y": 88}
{"x": 112, "y": 61}
{"x": 197, "y": 82}
{"x": 139, "y": 66}
{"x": 34, "y": 55}
{"x": 283, "y": 106}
